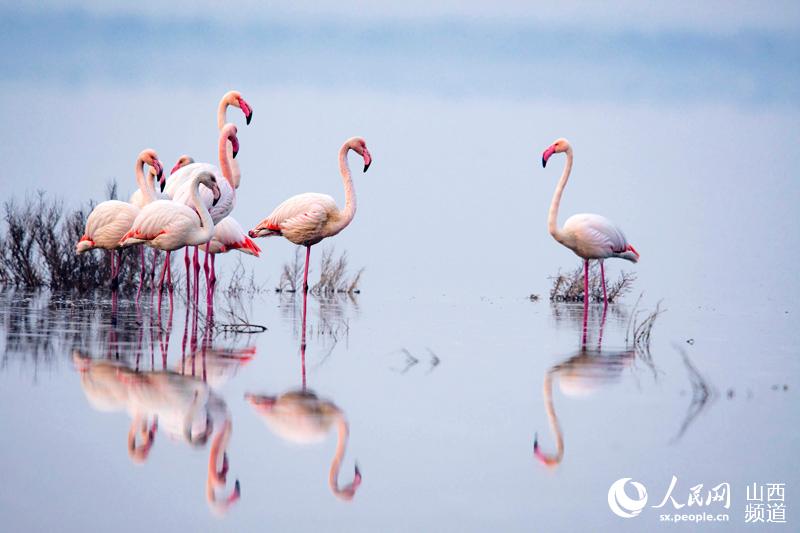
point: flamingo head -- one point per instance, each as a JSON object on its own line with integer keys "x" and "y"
{"x": 360, "y": 146}
{"x": 207, "y": 178}
{"x": 561, "y": 145}
{"x": 547, "y": 460}
{"x": 150, "y": 157}
{"x": 182, "y": 162}
{"x": 235, "y": 99}
{"x": 228, "y": 132}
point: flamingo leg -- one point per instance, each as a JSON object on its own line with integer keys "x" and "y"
{"x": 305, "y": 274}
{"x": 169, "y": 274}
{"x": 207, "y": 272}
{"x": 603, "y": 281}
{"x": 585, "y": 299}
{"x": 303, "y": 339}
{"x": 213, "y": 274}
{"x": 161, "y": 284}
{"x": 188, "y": 275}
{"x": 196, "y": 275}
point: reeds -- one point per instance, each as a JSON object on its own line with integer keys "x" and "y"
{"x": 333, "y": 277}
{"x": 37, "y": 248}
{"x": 568, "y": 287}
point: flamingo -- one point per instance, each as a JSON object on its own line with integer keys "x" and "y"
{"x": 306, "y": 219}
{"x": 168, "y": 225}
{"x": 303, "y": 418}
{"x": 178, "y": 187}
{"x": 228, "y": 235}
{"x": 233, "y": 98}
{"x": 589, "y": 236}
{"x": 110, "y": 220}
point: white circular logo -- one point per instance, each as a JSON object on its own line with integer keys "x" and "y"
{"x": 621, "y": 504}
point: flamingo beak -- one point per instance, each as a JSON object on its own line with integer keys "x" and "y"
{"x": 159, "y": 169}
{"x": 217, "y": 194}
{"x": 247, "y": 110}
{"x": 175, "y": 168}
{"x": 546, "y": 155}
{"x": 235, "y": 142}
{"x": 367, "y": 160}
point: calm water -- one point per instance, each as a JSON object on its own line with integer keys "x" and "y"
{"x": 442, "y": 373}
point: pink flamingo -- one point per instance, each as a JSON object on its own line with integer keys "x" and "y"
{"x": 110, "y": 220}
{"x": 179, "y": 188}
{"x": 306, "y": 219}
{"x": 228, "y": 236}
{"x": 589, "y": 236}
{"x": 168, "y": 225}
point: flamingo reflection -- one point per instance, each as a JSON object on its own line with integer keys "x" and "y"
{"x": 301, "y": 417}
{"x": 580, "y": 375}
{"x": 182, "y": 407}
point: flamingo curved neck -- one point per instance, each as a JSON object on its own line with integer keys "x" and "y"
{"x": 222, "y": 118}
{"x": 145, "y": 185}
{"x": 552, "y": 218}
{"x": 227, "y": 163}
{"x": 206, "y": 231}
{"x": 547, "y": 390}
{"x": 343, "y": 432}
{"x": 345, "y": 215}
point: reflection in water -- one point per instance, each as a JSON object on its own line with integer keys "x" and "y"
{"x": 580, "y": 375}
{"x": 183, "y": 406}
{"x": 128, "y": 376}
{"x": 301, "y": 417}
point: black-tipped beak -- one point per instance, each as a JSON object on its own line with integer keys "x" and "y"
{"x": 366, "y": 166}
{"x": 163, "y": 183}
{"x": 234, "y": 153}
{"x": 215, "y": 201}
{"x": 544, "y": 162}
{"x": 248, "y": 118}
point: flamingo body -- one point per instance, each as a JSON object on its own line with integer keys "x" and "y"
{"x": 229, "y": 235}
{"x": 303, "y": 219}
{"x": 593, "y": 236}
{"x": 107, "y": 224}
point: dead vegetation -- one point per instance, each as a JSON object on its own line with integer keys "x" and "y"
{"x": 37, "y": 248}
{"x": 568, "y": 287}
{"x": 333, "y": 275}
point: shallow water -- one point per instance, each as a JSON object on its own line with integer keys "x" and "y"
{"x": 442, "y": 398}
{"x": 442, "y": 370}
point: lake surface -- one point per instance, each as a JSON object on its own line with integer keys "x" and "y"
{"x": 442, "y": 372}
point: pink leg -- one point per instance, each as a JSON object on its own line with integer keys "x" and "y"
{"x": 213, "y": 273}
{"x": 196, "y": 275}
{"x": 303, "y": 338}
{"x": 585, "y": 298}
{"x": 305, "y": 274}
{"x": 161, "y": 283}
{"x": 603, "y": 281}
{"x": 169, "y": 275}
{"x": 186, "y": 261}
{"x": 206, "y": 271}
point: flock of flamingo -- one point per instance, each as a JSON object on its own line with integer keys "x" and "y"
{"x": 194, "y": 203}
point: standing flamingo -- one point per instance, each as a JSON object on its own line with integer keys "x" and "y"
{"x": 110, "y": 220}
{"x": 169, "y": 225}
{"x": 589, "y": 236}
{"x": 228, "y": 235}
{"x": 306, "y": 219}
{"x": 178, "y": 187}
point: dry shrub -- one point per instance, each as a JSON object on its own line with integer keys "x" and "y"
{"x": 37, "y": 248}
{"x": 568, "y": 287}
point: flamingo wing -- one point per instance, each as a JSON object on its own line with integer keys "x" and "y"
{"x": 299, "y": 219}
{"x": 160, "y": 217}
{"x": 595, "y": 235}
